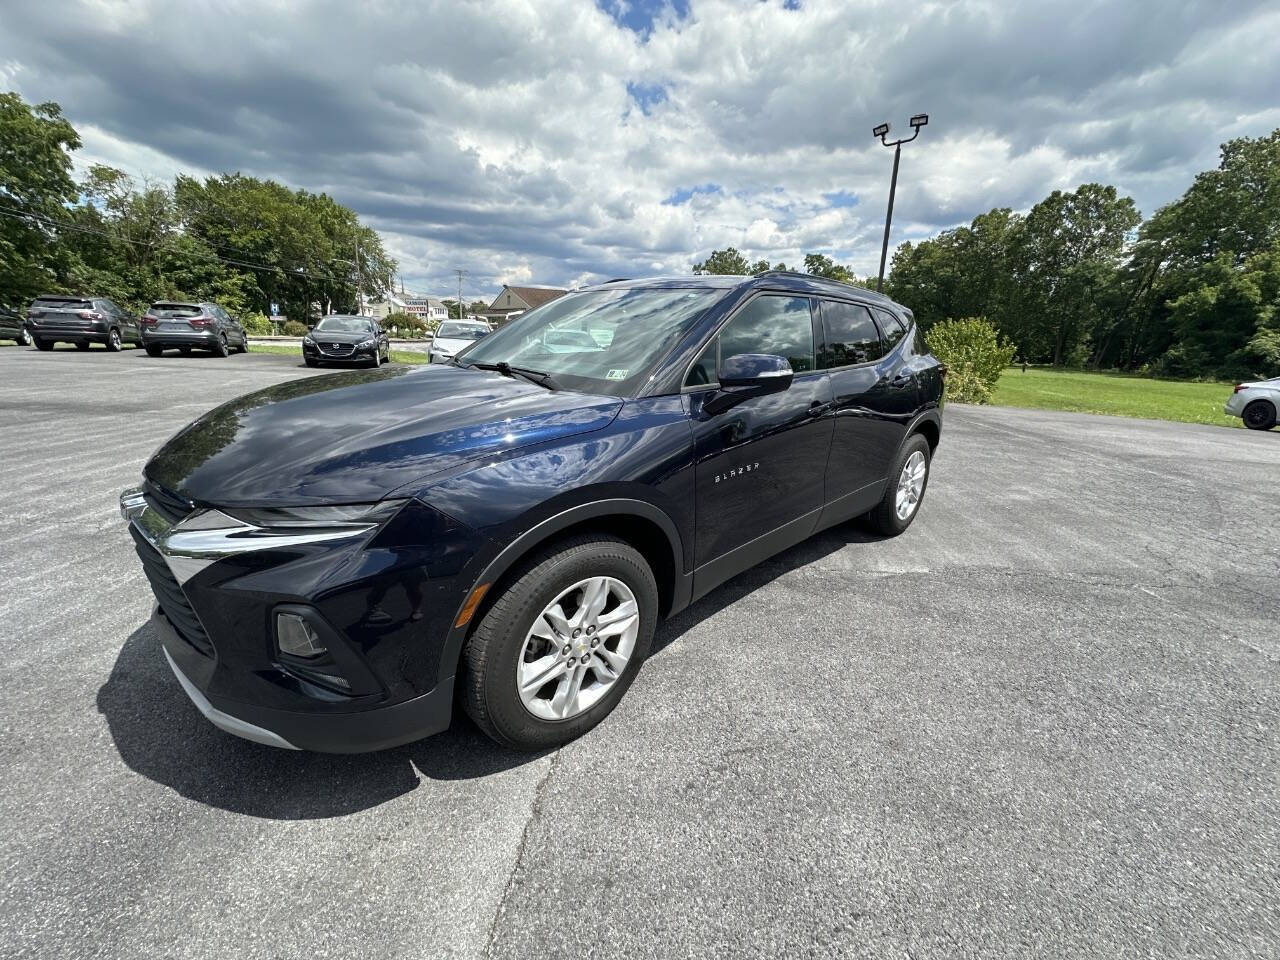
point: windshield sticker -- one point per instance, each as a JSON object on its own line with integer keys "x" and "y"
{"x": 617, "y": 374}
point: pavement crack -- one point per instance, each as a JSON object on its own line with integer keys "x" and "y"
{"x": 535, "y": 810}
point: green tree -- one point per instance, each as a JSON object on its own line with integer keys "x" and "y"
{"x": 728, "y": 261}
{"x": 35, "y": 185}
{"x": 820, "y": 265}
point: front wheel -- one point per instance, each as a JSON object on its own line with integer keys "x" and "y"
{"x": 1259, "y": 415}
{"x": 904, "y": 491}
{"x": 220, "y": 348}
{"x": 24, "y": 337}
{"x": 559, "y": 646}
{"x": 113, "y": 341}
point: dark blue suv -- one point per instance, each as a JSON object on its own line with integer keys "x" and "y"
{"x": 336, "y": 558}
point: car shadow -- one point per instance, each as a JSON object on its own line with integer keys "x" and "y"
{"x": 162, "y": 736}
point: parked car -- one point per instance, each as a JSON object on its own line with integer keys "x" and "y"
{"x": 346, "y": 339}
{"x": 13, "y": 326}
{"x": 203, "y": 326}
{"x": 454, "y": 336}
{"x": 1256, "y": 403}
{"x": 336, "y": 558}
{"x": 82, "y": 321}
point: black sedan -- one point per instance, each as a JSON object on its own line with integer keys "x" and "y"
{"x": 346, "y": 339}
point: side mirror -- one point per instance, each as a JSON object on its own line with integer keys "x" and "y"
{"x": 747, "y": 375}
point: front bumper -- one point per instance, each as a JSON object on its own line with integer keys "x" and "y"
{"x": 220, "y": 582}
{"x": 317, "y": 351}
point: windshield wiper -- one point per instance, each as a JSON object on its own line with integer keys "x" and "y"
{"x": 507, "y": 370}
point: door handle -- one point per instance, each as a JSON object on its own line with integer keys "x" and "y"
{"x": 818, "y": 407}
{"x": 902, "y": 380}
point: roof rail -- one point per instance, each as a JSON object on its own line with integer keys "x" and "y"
{"x": 814, "y": 276}
{"x": 616, "y": 280}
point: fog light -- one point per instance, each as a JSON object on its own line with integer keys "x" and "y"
{"x": 295, "y": 637}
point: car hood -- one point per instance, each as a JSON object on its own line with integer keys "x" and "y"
{"x": 339, "y": 336}
{"x": 355, "y": 437}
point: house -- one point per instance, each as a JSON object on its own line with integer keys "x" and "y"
{"x": 513, "y": 301}
{"x": 428, "y": 308}
{"x": 381, "y": 309}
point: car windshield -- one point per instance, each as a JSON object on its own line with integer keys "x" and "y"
{"x": 454, "y": 330}
{"x": 343, "y": 325}
{"x": 598, "y": 341}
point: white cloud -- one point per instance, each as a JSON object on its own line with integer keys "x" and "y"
{"x": 548, "y": 142}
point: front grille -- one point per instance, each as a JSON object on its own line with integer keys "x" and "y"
{"x": 166, "y": 503}
{"x": 173, "y": 602}
{"x": 336, "y": 349}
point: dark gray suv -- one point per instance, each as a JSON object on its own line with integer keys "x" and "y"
{"x": 204, "y": 326}
{"x": 82, "y": 321}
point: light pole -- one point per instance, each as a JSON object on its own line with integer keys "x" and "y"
{"x": 918, "y": 121}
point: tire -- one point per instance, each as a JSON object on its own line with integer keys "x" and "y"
{"x": 311, "y": 363}
{"x": 24, "y": 337}
{"x": 84, "y": 345}
{"x": 43, "y": 344}
{"x": 1259, "y": 415}
{"x": 185, "y": 351}
{"x": 497, "y": 647}
{"x": 155, "y": 351}
{"x": 222, "y": 350}
{"x": 113, "y": 341}
{"x": 377, "y": 359}
{"x": 885, "y": 518}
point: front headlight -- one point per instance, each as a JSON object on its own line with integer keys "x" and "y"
{"x": 366, "y": 343}
{"x": 307, "y": 339}
{"x": 342, "y": 515}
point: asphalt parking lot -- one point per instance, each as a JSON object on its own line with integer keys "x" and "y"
{"x": 1041, "y": 723}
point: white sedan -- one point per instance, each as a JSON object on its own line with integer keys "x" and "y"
{"x": 454, "y": 336}
{"x": 1255, "y": 403}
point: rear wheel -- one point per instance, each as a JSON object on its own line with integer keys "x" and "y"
{"x": 904, "y": 491}
{"x": 559, "y": 647}
{"x": 154, "y": 350}
{"x": 113, "y": 341}
{"x": 1259, "y": 415}
{"x": 221, "y": 348}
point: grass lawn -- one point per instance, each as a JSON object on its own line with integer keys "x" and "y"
{"x": 397, "y": 356}
{"x": 1116, "y": 394}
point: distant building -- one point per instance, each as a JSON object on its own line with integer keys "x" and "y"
{"x": 381, "y": 309}
{"x": 513, "y": 301}
{"x": 428, "y": 308}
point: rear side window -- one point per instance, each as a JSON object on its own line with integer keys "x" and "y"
{"x": 782, "y": 326}
{"x": 892, "y": 328}
{"x": 851, "y": 335}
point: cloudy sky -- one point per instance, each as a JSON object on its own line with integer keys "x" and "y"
{"x": 559, "y": 141}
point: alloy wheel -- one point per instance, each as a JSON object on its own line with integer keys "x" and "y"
{"x": 1255, "y": 416}
{"x": 911, "y": 485}
{"x": 578, "y": 648}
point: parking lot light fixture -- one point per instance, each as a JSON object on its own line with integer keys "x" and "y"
{"x": 881, "y": 131}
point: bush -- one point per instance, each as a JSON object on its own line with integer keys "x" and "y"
{"x": 257, "y": 325}
{"x": 405, "y": 325}
{"x": 294, "y": 328}
{"x": 974, "y": 355}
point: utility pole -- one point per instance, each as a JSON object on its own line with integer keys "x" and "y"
{"x": 461, "y": 274}
{"x": 918, "y": 121}
{"x": 359, "y": 280}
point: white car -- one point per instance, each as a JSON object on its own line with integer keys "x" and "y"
{"x": 1255, "y": 403}
{"x": 454, "y": 336}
